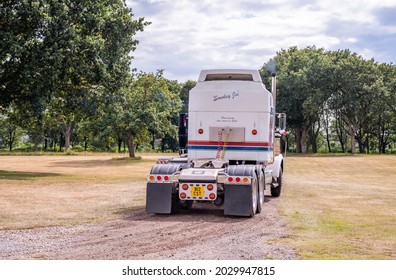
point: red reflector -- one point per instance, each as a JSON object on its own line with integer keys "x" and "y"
{"x": 182, "y": 195}
{"x": 159, "y": 178}
{"x": 254, "y": 132}
{"x": 200, "y": 131}
{"x": 185, "y": 187}
{"x": 237, "y": 179}
{"x": 166, "y": 178}
{"x": 230, "y": 179}
{"x": 210, "y": 187}
{"x": 212, "y": 196}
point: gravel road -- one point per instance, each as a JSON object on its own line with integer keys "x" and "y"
{"x": 200, "y": 233}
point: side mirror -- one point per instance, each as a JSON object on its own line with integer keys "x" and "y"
{"x": 280, "y": 125}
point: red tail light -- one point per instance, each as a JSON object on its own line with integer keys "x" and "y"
{"x": 185, "y": 187}
{"x": 200, "y": 131}
{"x": 182, "y": 195}
{"x": 254, "y": 132}
{"x": 159, "y": 178}
{"x": 166, "y": 178}
{"x": 210, "y": 187}
{"x": 230, "y": 179}
{"x": 237, "y": 179}
{"x": 212, "y": 196}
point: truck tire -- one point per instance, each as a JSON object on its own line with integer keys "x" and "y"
{"x": 260, "y": 197}
{"x": 254, "y": 194}
{"x": 176, "y": 205}
{"x": 276, "y": 191}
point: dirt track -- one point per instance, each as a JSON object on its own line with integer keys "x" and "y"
{"x": 200, "y": 233}
{"x": 129, "y": 233}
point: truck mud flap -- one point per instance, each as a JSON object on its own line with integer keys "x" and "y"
{"x": 238, "y": 200}
{"x": 159, "y": 198}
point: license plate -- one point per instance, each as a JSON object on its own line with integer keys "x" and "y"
{"x": 197, "y": 191}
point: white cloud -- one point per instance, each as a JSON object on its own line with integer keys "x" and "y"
{"x": 186, "y": 36}
{"x": 351, "y": 40}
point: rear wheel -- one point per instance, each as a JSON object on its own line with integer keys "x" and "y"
{"x": 175, "y": 203}
{"x": 260, "y": 198}
{"x": 254, "y": 194}
{"x": 276, "y": 187}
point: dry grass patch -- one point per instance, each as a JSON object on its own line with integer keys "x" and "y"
{"x": 341, "y": 207}
{"x": 50, "y": 191}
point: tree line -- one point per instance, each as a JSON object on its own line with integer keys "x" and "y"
{"x": 335, "y": 101}
{"x": 67, "y": 80}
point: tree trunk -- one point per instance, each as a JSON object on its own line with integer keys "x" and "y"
{"x": 67, "y": 132}
{"x": 298, "y": 140}
{"x": 85, "y": 143}
{"x": 12, "y": 138}
{"x": 163, "y": 145}
{"x": 131, "y": 148}
{"x": 327, "y": 132}
{"x": 352, "y": 134}
{"x": 119, "y": 142}
{"x": 303, "y": 140}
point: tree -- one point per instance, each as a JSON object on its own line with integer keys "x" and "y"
{"x": 184, "y": 93}
{"x": 61, "y": 53}
{"x": 355, "y": 83}
{"x": 147, "y": 105}
{"x": 10, "y": 131}
{"x": 302, "y": 76}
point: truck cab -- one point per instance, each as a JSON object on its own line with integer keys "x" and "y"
{"x": 230, "y": 151}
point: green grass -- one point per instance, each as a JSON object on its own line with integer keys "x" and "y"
{"x": 341, "y": 207}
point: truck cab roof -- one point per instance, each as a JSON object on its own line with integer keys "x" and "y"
{"x": 230, "y": 74}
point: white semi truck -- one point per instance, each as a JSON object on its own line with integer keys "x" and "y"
{"x": 233, "y": 148}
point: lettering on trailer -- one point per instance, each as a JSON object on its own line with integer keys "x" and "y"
{"x": 226, "y": 96}
{"x": 224, "y": 119}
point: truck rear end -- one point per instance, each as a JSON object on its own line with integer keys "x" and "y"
{"x": 230, "y": 146}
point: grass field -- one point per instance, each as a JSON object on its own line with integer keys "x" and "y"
{"x": 337, "y": 207}
{"x": 341, "y": 207}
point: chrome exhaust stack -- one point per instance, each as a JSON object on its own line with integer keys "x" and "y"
{"x": 273, "y": 89}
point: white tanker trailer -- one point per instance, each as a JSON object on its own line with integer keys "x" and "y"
{"x": 233, "y": 148}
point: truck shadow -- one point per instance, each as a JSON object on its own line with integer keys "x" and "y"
{"x": 200, "y": 212}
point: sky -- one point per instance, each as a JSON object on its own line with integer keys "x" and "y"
{"x": 187, "y": 36}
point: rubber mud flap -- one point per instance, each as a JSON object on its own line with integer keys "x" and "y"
{"x": 238, "y": 200}
{"x": 159, "y": 198}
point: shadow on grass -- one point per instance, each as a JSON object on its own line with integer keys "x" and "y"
{"x": 18, "y": 175}
{"x": 100, "y": 162}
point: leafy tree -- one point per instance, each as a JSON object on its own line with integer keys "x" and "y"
{"x": 184, "y": 93}
{"x": 61, "y": 53}
{"x": 147, "y": 105}
{"x": 10, "y": 131}
{"x": 302, "y": 76}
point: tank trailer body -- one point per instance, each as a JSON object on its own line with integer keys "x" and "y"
{"x": 233, "y": 147}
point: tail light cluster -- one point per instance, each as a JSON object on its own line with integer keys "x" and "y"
{"x": 160, "y": 178}
{"x": 239, "y": 180}
{"x": 197, "y": 191}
